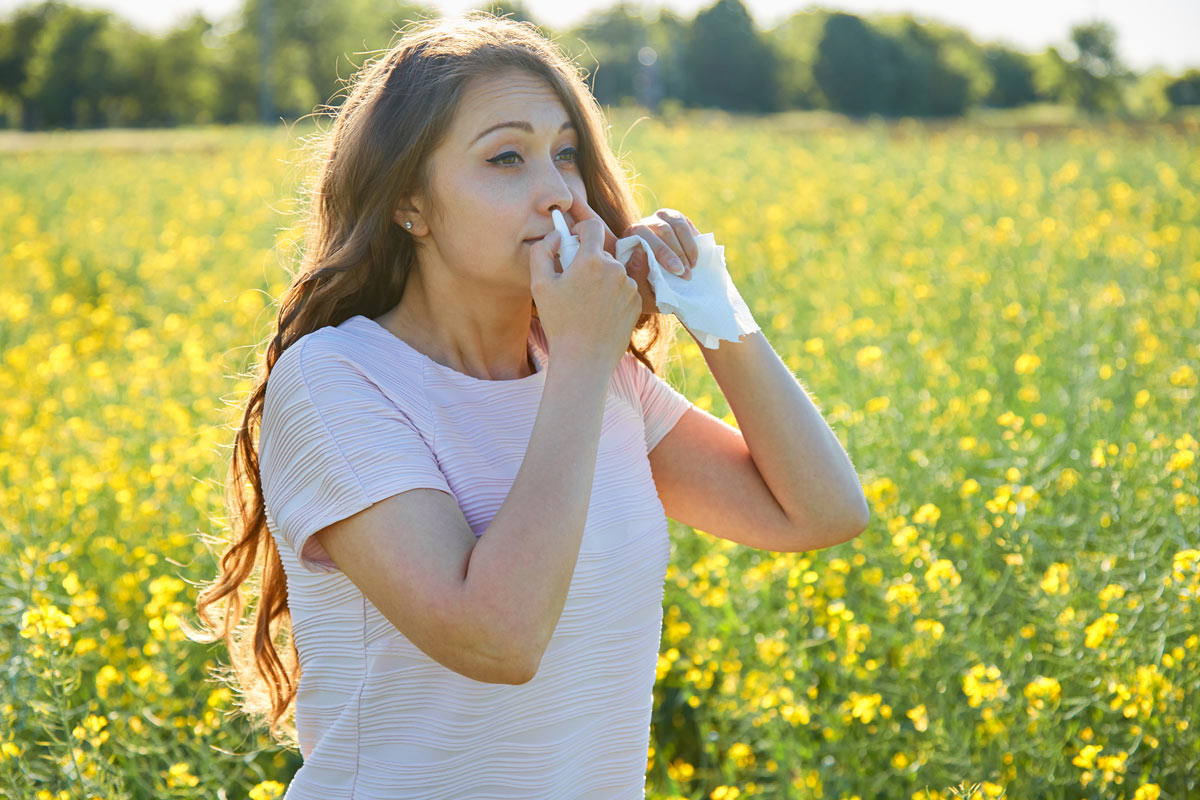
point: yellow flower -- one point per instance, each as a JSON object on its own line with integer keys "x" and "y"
{"x": 679, "y": 770}
{"x": 919, "y": 717}
{"x": 903, "y": 594}
{"x": 868, "y": 356}
{"x": 798, "y": 714}
{"x": 942, "y": 570}
{"x": 46, "y": 620}
{"x": 863, "y": 707}
{"x": 1184, "y": 376}
{"x": 983, "y": 683}
{"x": 1112, "y": 765}
{"x": 877, "y": 404}
{"x": 928, "y": 513}
{"x": 1041, "y": 690}
{"x": 1111, "y": 592}
{"x": 1185, "y": 573}
{"x": 1067, "y": 479}
{"x": 904, "y": 537}
{"x": 930, "y": 626}
{"x": 1100, "y": 630}
{"x": 178, "y": 775}
{"x": 1180, "y": 460}
{"x": 267, "y": 790}
{"x": 1087, "y": 756}
{"x": 741, "y": 754}
{"x": 105, "y": 678}
{"x": 1147, "y": 791}
{"x": 1055, "y": 580}
{"x": 1027, "y": 363}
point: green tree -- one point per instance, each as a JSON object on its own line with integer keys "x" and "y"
{"x": 1147, "y": 98}
{"x": 795, "y": 41}
{"x": 631, "y": 55}
{"x": 186, "y": 74}
{"x": 1185, "y": 90}
{"x": 1090, "y": 77}
{"x": 668, "y": 34}
{"x": 848, "y": 69}
{"x": 916, "y": 79}
{"x": 608, "y": 43}
{"x": 83, "y": 70}
{"x": 959, "y": 54}
{"x": 17, "y": 37}
{"x": 300, "y": 51}
{"x": 729, "y": 64}
{"x": 1012, "y": 77}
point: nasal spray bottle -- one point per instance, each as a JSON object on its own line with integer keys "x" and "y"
{"x": 569, "y": 244}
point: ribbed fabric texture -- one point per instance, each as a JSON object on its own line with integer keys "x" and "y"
{"x": 353, "y": 415}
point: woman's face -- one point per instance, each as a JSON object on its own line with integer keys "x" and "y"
{"x": 494, "y": 184}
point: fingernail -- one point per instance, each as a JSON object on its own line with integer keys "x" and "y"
{"x": 675, "y": 265}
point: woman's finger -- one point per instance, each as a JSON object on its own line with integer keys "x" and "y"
{"x": 580, "y": 210}
{"x": 591, "y": 233}
{"x": 685, "y": 232}
{"x": 662, "y": 252}
{"x": 674, "y": 240}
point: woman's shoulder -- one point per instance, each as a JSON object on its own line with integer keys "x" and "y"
{"x": 349, "y": 351}
{"x": 317, "y": 350}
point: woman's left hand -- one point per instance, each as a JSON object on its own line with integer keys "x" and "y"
{"x": 672, "y": 237}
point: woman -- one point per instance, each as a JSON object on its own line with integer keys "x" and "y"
{"x": 466, "y": 457}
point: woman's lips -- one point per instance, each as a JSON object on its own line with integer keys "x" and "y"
{"x": 535, "y": 239}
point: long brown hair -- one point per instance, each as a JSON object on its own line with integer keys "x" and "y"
{"x": 355, "y": 260}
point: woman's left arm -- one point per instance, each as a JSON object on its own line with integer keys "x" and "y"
{"x": 796, "y": 453}
{"x": 780, "y": 480}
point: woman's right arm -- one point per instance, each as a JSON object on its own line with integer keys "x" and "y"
{"x": 486, "y": 608}
{"x": 519, "y": 572}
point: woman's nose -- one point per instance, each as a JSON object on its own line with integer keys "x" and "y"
{"x": 556, "y": 193}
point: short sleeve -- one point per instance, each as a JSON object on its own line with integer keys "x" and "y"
{"x": 662, "y": 405}
{"x": 332, "y": 443}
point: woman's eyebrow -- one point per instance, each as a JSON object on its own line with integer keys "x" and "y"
{"x": 525, "y": 126}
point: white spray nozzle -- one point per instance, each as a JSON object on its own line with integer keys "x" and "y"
{"x": 569, "y": 245}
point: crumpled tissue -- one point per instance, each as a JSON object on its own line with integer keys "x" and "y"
{"x": 707, "y": 302}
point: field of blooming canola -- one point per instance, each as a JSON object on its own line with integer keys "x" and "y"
{"x": 1000, "y": 325}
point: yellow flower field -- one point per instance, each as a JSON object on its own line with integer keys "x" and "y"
{"x": 1000, "y": 325}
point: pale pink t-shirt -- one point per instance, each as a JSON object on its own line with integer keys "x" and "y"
{"x": 353, "y": 415}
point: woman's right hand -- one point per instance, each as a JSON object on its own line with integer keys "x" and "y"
{"x": 588, "y": 311}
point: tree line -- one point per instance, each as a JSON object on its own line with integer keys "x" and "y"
{"x": 63, "y": 66}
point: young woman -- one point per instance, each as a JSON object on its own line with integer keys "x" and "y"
{"x": 466, "y": 459}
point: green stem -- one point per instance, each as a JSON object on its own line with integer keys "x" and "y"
{"x": 8, "y": 779}
{"x": 62, "y": 714}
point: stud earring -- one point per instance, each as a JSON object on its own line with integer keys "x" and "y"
{"x": 408, "y": 224}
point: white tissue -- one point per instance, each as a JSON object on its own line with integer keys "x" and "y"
{"x": 707, "y": 303}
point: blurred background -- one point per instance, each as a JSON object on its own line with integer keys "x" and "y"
{"x": 130, "y": 63}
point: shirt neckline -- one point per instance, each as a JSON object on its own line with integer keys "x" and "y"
{"x": 534, "y": 350}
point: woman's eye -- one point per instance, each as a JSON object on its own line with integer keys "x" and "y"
{"x": 502, "y": 159}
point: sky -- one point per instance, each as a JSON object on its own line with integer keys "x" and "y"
{"x": 1150, "y": 33}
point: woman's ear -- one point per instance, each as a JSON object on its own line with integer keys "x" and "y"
{"x": 409, "y": 218}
